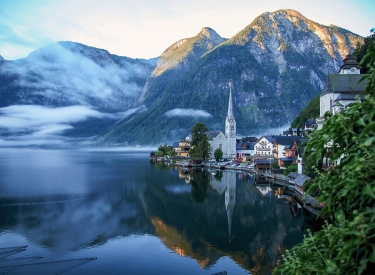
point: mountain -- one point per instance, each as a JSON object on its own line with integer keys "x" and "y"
{"x": 1, "y": 58}
{"x": 87, "y": 88}
{"x": 276, "y": 65}
{"x": 68, "y": 73}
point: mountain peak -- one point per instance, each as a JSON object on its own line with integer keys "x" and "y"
{"x": 209, "y": 33}
{"x": 1, "y": 58}
{"x": 186, "y": 50}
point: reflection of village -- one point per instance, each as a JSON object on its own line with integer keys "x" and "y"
{"x": 260, "y": 249}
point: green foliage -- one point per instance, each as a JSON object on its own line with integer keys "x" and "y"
{"x": 327, "y": 115}
{"x": 311, "y": 111}
{"x": 218, "y": 154}
{"x": 159, "y": 153}
{"x": 291, "y": 168}
{"x": 200, "y": 146}
{"x": 274, "y": 165}
{"x": 361, "y": 51}
{"x": 346, "y": 244}
{"x": 164, "y": 148}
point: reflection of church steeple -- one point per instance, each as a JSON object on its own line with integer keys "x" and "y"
{"x": 230, "y": 200}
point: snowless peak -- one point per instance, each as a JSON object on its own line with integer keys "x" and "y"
{"x": 211, "y": 35}
{"x": 208, "y": 31}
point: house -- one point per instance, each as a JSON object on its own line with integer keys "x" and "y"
{"x": 181, "y": 148}
{"x": 300, "y": 152}
{"x": 310, "y": 124}
{"x": 294, "y": 132}
{"x": 281, "y": 145}
{"x": 341, "y": 89}
{"x": 244, "y": 150}
{"x": 263, "y": 147}
{"x": 262, "y": 165}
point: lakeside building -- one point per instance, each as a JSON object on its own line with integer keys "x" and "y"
{"x": 263, "y": 147}
{"x": 226, "y": 142}
{"x": 341, "y": 89}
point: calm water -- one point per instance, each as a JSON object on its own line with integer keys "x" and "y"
{"x": 134, "y": 217}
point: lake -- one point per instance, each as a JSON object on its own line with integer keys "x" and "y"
{"x": 113, "y": 212}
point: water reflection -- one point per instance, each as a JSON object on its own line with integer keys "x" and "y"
{"x": 199, "y": 214}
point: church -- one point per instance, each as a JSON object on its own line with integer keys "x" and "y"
{"x": 226, "y": 142}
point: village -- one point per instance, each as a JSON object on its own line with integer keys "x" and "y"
{"x": 274, "y": 158}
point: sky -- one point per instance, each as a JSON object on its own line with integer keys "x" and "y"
{"x": 145, "y": 28}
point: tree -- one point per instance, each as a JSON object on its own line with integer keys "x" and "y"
{"x": 159, "y": 153}
{"x": 199, "y": 185}
{"x": 164, "y": 148}
{"x": 346, "y": 243}
{"x": 361, "y": 51}
{"x": 218, "y": 154}
{"x": 199, "y": 145}
{"x": 291, "y": 168}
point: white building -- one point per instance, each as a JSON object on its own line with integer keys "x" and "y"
{"x": 341, "y": 89}
{"x": 226, "y": 142}
{"x": 263, "y": 147}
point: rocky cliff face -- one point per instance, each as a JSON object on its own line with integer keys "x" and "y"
{"x": 276, "y": 65}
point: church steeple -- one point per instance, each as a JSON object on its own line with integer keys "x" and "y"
{"x": 230, "y": 115}
{"x": 230, "y": 122}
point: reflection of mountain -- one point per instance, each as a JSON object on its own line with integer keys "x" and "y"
{"x": 257, "y": 226}
{"x": 70, "y": 224}
{"x": 176, "y": 242}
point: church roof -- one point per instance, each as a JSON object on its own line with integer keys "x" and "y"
{"x": 344, "y": 83}
{"x": 212, "y": 134}
{"x": 349, "y": 97}
{"x": 350, "y": 61}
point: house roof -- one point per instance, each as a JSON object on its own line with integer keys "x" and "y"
{"x": 285, "y": 140}
{"x": 249, "y": 145}
{"x": 212, "y": 134}
{"x": 344, "y": 83}
{"x": 262, "y": 161}
{"x": 286, "y": 159}
{"x": 298, "y": 179}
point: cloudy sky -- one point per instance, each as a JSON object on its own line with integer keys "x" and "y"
{"x": 145, "y": 28}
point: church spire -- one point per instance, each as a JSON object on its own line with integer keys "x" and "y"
{"x": 230, "y": 104}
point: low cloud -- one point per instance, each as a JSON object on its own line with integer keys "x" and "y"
{"x": 187, "y": 113}
{"x": 76, "y": 74}
{"x": 24, "y": 125}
